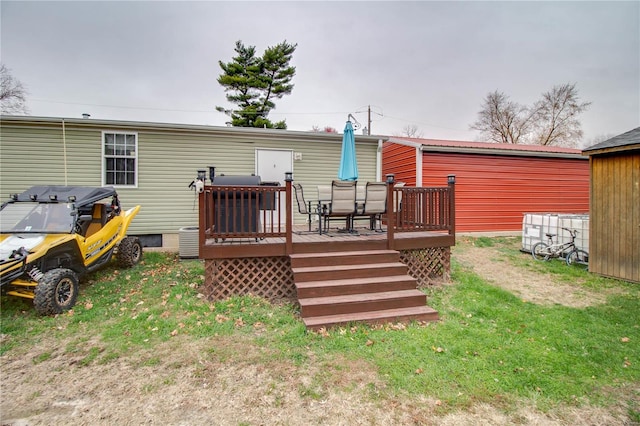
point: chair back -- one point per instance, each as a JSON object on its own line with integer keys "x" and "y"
{"x": 302, "y": 204}
{"x": 343, "y": 197}
{"x": 324, "y": 193}
{"x": 375, "y": 201}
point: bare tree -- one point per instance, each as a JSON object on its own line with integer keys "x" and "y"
{"x": 556, "y": 117}
{"x": 12, "y": 93}
{"x": 412, "y": 131}
{"x": 501, "y": 120}
{"x": 553, "y": 120}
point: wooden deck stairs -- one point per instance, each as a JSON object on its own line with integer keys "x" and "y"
{"x": 373, "y": 286}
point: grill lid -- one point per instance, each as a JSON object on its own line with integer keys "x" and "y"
{"x": 242, "y": 180}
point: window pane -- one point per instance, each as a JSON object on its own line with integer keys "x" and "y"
{"x": 119, "y": 159}
{"x": 131, "y": 145}
{"x": 109, "y": 144}
{"x": 121, "y": 164}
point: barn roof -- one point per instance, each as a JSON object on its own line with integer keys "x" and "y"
{"x": 439, "y": 145}
{"x": 628, "y": 140}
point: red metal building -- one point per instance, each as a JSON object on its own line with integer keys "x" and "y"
{"x": 496, "y": 184}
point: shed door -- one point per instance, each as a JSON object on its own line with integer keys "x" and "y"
{"x": 271, "y": 165}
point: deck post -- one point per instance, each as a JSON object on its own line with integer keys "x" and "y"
{"x": 288, "y": 179}
{"x": 202, "y": 223}
{"x": 451, "y": 182}
{"x": 391, "y": 215}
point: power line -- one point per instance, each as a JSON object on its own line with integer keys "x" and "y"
{"x": 179, "y": 110}
{"x": 423, "y": 124}
{"x": 367, "y": 110}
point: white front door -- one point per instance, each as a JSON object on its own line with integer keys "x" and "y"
{"x": 271, "y": 165}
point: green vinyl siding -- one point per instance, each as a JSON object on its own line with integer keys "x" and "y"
{"x": 28, "y": 154}
{"x": 31, "y": 152}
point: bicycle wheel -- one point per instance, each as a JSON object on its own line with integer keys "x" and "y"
{"x": 578, "y": 257}
{"x": 540, "y": 251}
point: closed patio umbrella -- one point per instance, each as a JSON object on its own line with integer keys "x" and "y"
{"x": 348, "y": 164}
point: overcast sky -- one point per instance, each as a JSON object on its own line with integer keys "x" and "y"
{"x": 428, "y": 64}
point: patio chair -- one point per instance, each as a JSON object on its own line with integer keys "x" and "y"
{"x": 375, "y": 204}
{"x": 324, "y": 197}
{"x": 304, "y": 207}
{"x": 361, "y": 193}
{"x": 324, "y": 193}
{"x": 342, "y": 205}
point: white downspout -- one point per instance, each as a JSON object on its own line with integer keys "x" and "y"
{"x": 379, "y": 162}
{"x": 418, "y": 167}
{"x": 64, "y": 151}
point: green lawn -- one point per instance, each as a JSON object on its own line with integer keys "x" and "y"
{"x": 489, "y": 346}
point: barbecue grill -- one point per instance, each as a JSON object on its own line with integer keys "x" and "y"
{"x": 238, "y": 211}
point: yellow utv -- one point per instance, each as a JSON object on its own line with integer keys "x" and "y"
{"x": 52, "y": 235}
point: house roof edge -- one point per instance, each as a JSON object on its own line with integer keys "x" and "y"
{"x": 143, "y": 125}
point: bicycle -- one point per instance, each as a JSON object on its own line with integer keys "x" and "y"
{"x": 571, "y": 253}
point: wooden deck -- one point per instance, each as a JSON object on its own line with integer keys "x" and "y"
{"x": 251, "y": 247}
{"x": 305, "y": 242}
{"x": 244, "y": 222}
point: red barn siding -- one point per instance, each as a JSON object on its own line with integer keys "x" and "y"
{"x": 493, "y": 192}
{"x": 400, "y": 160}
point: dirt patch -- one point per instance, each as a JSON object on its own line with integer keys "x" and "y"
{"x": 195, "y": 383}
{"x": 493, "y": 265}
{"x": 218, "y": 381}
{"x": 231, "y": 381}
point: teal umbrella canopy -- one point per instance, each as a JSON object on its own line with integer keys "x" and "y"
{"x": 348, "y": 165}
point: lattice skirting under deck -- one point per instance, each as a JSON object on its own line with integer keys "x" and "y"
{"x": 272, "y": 278}
{"x": 428, "y": 266}
{"x": 268, "y": 277}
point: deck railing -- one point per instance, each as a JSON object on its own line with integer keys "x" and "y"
{"x": 258, "y": 212}
{"x": 422, "y": 209}
{"x": 231, "y": 211}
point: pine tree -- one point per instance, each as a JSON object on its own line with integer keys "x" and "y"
{"x": 252, "y": 83}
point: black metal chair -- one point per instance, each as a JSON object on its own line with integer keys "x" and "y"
{"x": 304, "y": 207}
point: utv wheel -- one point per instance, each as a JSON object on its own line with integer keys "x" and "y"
{"x": 56, "y": 292}
{"x": 129, "y": 252}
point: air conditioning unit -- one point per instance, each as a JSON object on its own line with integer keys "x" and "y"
{"x": 188, "y": 242}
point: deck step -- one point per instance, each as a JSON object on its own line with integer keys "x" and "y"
{"x": 350, "y": 303}
{"x": 344, "y": 258}
{"x": 324, "y": 288}
{"x": 370, "y": 286}
{"x": 365, "y": 270}
{"x": 417, "y": 313}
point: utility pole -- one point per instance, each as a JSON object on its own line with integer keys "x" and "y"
{"x": 368, "y": 120}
